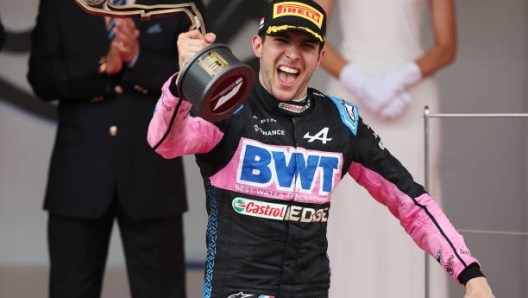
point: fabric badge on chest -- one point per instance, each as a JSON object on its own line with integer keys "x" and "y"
{"x": 293, "y": 107}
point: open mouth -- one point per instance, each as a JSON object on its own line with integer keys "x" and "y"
{"x": 287, "y": 75}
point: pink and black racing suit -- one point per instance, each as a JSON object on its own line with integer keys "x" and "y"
{"x": 269, "y": 171}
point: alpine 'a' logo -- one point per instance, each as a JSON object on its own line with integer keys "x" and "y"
{"x": 320, "y": 136}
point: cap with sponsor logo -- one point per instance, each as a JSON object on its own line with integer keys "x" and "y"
{"x": 302, "y": 15}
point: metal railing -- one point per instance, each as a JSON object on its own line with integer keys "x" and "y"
{"x": 427, "y": 116}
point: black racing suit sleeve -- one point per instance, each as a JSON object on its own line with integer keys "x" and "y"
{"x": 470, "y": 272}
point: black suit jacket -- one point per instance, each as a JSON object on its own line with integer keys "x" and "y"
{"x": 100, "y": 147}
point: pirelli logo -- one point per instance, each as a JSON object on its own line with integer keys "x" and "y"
{"x": 299, "y": 10}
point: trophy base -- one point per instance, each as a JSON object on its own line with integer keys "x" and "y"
{"x": 215, "y": 82}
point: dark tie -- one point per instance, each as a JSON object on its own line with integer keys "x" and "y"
{"x": 111, "y": 24}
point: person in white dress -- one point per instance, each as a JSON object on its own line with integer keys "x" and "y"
{"x": 381, "y": 65}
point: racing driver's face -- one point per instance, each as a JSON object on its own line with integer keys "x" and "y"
{"x": 287, "y": 63}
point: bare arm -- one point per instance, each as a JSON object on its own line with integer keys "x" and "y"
{"x": 478, "y": 287}
{"x": 333, "y": 61}
{"x": 444, "y": 28}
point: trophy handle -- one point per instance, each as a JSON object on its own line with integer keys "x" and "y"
{"x": 145, "y": 12}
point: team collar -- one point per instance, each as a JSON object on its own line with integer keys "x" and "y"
{"x": 280, "y": 107}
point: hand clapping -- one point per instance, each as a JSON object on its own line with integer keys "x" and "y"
{"x": 124, "y": 47}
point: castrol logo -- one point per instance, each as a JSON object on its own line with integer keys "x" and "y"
{"x": 279, "y": 211}
{"x": 259, "y": 209}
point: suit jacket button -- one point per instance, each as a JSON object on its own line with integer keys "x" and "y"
{"x": 118, "y": 89}
{"x": 112, "y": 130}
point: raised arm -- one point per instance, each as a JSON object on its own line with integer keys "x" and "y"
{"x": 172, "y": 131}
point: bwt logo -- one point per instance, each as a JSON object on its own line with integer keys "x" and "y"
{"x": 288, "y": 168}
{"x": 296, "y": 9}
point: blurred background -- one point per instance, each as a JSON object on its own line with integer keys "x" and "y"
{"x": 484, "y": 161}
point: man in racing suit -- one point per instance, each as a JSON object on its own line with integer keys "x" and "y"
{"x": 270, "y": 168}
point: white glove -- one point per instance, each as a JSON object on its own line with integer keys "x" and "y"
{"x": 376, "y": 91}
{"x": 409, "y": 73}
{"x": 353, "y": 78}
{"x": 396, "y": 105}
{"x": 364, "y": 86}
{"x": 385, "y": 87}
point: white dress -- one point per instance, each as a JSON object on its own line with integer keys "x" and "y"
{"x": 371, "y": 256}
